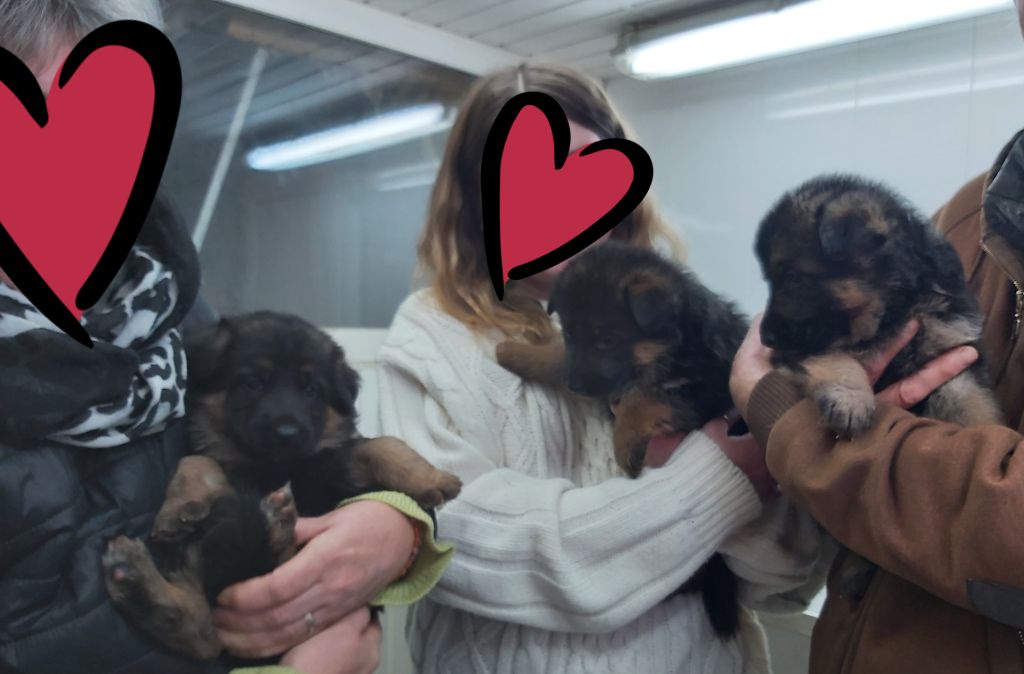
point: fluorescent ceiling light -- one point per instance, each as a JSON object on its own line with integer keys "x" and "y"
{"x": 797, "y": 28}
{"x": 368, "y": 135}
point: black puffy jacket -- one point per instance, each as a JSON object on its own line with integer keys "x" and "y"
{"x": 58, "y": 508}
{"x": 59, "y": 505}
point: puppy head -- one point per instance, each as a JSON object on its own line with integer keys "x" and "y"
{"x": 618, "y": 306}
{"x": 282, "y": 387}
{"x": 834, "y": 252}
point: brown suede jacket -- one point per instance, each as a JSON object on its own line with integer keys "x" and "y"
{"x": 938, "y": 507}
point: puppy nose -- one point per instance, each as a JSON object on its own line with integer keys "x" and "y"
{"x": 286, "y": 431}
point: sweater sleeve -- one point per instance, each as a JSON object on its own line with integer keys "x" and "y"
{"x": 937, "y": 504}
{"x": 545, "y": 552}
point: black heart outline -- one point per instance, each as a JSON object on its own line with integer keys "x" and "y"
{"x": 490, "y": 185}
{"x": 156, "y": 49}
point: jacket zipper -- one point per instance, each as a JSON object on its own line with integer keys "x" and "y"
{"x": 1020, "y": 638}
{"x": 1018, "y": 311}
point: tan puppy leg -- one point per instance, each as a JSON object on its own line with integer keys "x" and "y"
{"x": 391, "y": 464}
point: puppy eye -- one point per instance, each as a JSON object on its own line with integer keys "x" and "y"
{"x": 790, "y": 278}
{"x": 604, "y": 342}
{"x": 310, "y": 389}
{"x": 252, "y": 383}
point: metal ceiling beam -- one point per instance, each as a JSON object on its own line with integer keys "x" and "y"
{"x": 390, "y": 31}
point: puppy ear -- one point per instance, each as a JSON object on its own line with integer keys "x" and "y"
{"x": 851, "y": 232}
{"x": 553, "y": 302}
{"x": 653, "y": 305}
{"x": 555, "y": 298}
{"x": 205, "y": 349}
{"x": 344, "y": 385}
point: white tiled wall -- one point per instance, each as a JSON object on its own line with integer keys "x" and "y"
{"x": 922, "y": 111}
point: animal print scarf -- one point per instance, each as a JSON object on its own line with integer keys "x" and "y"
{"x": 131, "y": 383}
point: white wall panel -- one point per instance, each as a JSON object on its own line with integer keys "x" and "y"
{"x": 922, "y": 111}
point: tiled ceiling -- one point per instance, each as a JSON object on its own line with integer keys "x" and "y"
{"x": 578, "y": 32}
{"x": 310, "y": 78}
{"x": 318, "y": 77}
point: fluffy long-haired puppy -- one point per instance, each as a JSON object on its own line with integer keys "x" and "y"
{"x": 271, "y": 404}
{"x": 645, "y": 336}
{"x": 848, "y": 264}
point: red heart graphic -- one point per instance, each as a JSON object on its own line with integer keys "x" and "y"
{"x": 542, "y": 206}
{"x": 80, "y": 168}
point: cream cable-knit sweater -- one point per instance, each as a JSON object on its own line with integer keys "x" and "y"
{"x": 562, "y": 564}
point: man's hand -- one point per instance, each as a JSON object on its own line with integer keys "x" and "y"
{"x": 751, "y": 364}
{"x": 911, "y": 390}
{"x": 753, "y": 361}
{"x": 351, "y": 554}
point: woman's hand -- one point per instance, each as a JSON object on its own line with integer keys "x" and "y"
{"x": 746, "y": 453}
{"x": 349, "y": 646}
{"x": 351, "y": 554}
{"x": 660, "y": 449}
{"x": 742, "y": 450}
{"x": 751, "y": 363}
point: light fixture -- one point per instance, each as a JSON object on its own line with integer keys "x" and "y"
{"x": 796, "y": 28}
{"x": 353, "y": 139}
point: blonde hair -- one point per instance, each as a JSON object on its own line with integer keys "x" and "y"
{"x": 451, "y": 249}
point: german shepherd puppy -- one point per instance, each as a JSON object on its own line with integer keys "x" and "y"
{"x": 848, "y": 264}
{"x": 271, "y": 404}
{"x": 645, "y": 336}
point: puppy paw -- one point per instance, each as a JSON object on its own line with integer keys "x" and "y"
{"x": 443, "y": 487}
{"x": 279, "y": 509}
{"x": 177, "y": 521}
{"x": 846, "y": 411}
{"x": 514, "y": 356}
{"x": 128, "y": 568}
{"x": 449, "y": 485}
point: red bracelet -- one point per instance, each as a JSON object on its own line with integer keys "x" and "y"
{"x": 417, "y": 540}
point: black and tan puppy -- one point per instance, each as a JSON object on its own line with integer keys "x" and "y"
{"x": 643, "y": 335}
{"x": 848, "y": 264}
{"x": 271, "y": 403}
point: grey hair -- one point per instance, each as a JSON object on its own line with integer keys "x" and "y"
{"x": 30, "y": 28}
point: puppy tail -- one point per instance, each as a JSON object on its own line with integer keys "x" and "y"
{"x": 719, "y": 592}
{"x": 236, "y": 545}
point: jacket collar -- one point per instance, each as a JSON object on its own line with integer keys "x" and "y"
{"x": 1002, "y": 227}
